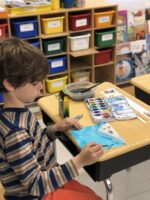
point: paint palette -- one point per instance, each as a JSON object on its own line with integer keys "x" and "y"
{"x": 120, "y": 108}
{"x": 98, "y": 110}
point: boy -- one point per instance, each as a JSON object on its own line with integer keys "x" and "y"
{"x": 28, "y": 166}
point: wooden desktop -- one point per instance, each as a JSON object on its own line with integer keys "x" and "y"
{"x": 142, "y": 87}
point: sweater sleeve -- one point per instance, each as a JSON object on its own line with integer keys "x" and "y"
{"x": 23, "y": 162}
{"x": 50, "y": 133}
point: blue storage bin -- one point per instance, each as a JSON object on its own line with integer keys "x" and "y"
{"x": 57, "y": 65}
{"x": 1, "y": 98}
{"x": 25, "y": 27}
{"x": 35, "y": 43}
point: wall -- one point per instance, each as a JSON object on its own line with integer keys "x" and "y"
{"x": 131, "y": 4}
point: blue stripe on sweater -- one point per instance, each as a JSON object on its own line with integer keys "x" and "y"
{"x": 17, "y": 145}
{"x": 65, "y": 171}
{"x": 53, "y": 180}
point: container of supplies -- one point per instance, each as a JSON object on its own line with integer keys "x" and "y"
{"x": 57, "y": 65}
{"x": 55, "y": 84}
{"x": 105, "y": 38}
{"x": 79, "y": 21}
{"x": 52, "y": 25}
{"x": 103, "y": 19}
{"x": 80, "y": 42}
{"x": 25, "y": 27}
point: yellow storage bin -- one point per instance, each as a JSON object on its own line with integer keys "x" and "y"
{"x": 30, "y": 9}
{"x": 52, "y": 25}
{"x": 55, "y": 85}
{"x": 103, "y": 19}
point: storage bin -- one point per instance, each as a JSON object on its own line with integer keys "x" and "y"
{"x": 3, "y": 30}
{"x": 103, "y": 19}
{"x": 57, "y": 65}
{"x": 80, "y": 76}
{"x": 79, "y": 22}
{"x": 103, "y": 56}
{"x": 105, "y": 38}
{"x": 80, "y": 42}
{"x": 35, "y": 43}
{"x": 68, "y": 3}
{"x": 30, "y": 9}
{"x": 52, "y": 25}
{"x": 25, "y": 27}
{"x": 54, "y": 46}
{"x": 55, "y": 85}
{"x": 1, "y": 98}
{"x": 4, "y": 14}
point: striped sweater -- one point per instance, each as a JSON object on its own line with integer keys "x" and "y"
{"x": 28, "y": 166}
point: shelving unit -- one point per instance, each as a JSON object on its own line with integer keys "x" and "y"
{"x": 76, "y": 61}
{"x": 4, "y": 32}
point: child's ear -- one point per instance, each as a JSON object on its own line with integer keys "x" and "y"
{"x": 7, "y": 85}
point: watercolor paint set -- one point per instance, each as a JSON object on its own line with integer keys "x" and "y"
{"x": 120, "y": 108}
{"x": 99, "y": 110}
{"x": 110, "y": 109}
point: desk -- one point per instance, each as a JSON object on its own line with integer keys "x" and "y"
{"x": 135, "y": 133}
{"x": 142, "y": 87}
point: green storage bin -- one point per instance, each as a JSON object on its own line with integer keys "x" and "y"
{"x": 105, "y": 38}
{"x": 54, "y": 46}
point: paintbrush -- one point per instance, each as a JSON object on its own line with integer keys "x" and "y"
{"x": 87, "y": 89}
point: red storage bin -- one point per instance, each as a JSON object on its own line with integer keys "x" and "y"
{"x": 3, "y": 30}
{"x": 103, "y": 56}
{"x": 79, "y": 22}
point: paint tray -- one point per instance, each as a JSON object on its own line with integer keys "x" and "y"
{"x": 74, "y": 90}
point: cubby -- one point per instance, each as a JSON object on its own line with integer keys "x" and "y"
{"x": 68, "y": 38}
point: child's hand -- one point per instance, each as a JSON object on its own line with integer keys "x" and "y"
{"x": 66, "y": 124}
{"x": 89, "y": 155}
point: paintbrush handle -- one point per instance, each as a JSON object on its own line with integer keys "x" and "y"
{"x": 87, "y": 89}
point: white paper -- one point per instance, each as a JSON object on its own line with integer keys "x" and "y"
{"x": 112, "y": 92}
{"x": 54, "y": 24}
{"x": 81, "y": 22}
{"x": 103, "y": 19}
{"x": 26, "y": 27}
{"x": 107, "y": 37}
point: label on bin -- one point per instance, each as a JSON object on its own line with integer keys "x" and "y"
{"x": 26, "y": 27}
{"x": 81, "y": 22}
{"x": 0, "y": 32}
{"x": 81, "y": 44}
{"x": 54, "y": 24}
{"x": 103, "y": 19}
{"x": 82, "y": 79}
{"x": 57, "y": 84}
{"x": 58, "y": 63}
{"x": 107, "y": 37}
{"x": 52, "y": 47}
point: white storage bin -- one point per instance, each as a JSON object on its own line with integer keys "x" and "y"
{"x": 78, "y": 43}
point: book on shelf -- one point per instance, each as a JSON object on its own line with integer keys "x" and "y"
{"x": 136, "y": 17}
{"x": 147, "y": 13}
{"x": 124, "y": 68}
{"x": 123, "y": 48}
{"x": 136, "y": 24}
{"x": 142, "y": 63}
{"x": 139, "y": 32}
{"x": 122, "y": 34}
{"x": 138, "y": 46}
{"x": 148, "y": 26}
{"x": 147, "y": 37}
{"x": 122, "y": 30}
